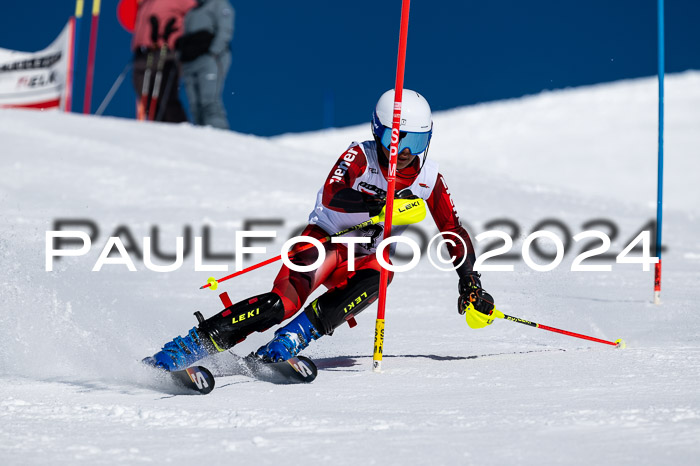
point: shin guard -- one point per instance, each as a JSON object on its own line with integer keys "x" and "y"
{"x": 341, "y": 304}
{"x": 236, "y": 322}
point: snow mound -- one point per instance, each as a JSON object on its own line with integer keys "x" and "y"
{"x": 72, "y": 390}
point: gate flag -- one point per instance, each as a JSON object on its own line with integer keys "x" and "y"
{"x": 38, "y": 79}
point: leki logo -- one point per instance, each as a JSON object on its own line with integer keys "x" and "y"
{"x": 354, "y": 303}
{"x": 406, "y": 207}
{"x": 517, "y": 319}
{"x": 244, "y": 316}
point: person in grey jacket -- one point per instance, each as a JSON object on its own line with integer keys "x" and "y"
{"x": 205, "y": 54}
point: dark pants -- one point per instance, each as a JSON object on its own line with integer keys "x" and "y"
{"x": 204, "y": 83}
{"x": 349, "y": 293}
{"x": 169, "y": 85}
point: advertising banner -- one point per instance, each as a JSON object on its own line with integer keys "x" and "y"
{"x": 38, "y": 79}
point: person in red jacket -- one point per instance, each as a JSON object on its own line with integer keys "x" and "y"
{"x": 354, "y": 191}
{"x": 158, "y": 25}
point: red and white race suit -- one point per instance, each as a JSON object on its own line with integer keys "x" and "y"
{"x": 359, "y": 169}
{"x": 340, "y": 205}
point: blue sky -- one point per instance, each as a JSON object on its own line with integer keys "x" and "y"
{"x": 301, "y": 66}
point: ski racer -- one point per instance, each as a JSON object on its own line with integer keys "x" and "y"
{"x": 353, "y": 192}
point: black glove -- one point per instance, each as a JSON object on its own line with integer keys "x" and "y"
{"x": 470, "y": 291}
{"x": 154, "y": 30}
{"x": 374, "y": 203}
{"x": 405, "y": 193}
{"x": 169, "y": 29}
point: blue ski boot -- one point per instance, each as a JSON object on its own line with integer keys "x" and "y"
{"x": 289, "y": 340}
{"x": 220, "y": 332}
{"x": 180, "y": 353}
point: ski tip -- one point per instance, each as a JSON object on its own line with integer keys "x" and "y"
{"x": 202, "y": 378}
{"x": 305, "y": 368}
{"x": 621, "y": 343}
{"x": 196, "y": 378}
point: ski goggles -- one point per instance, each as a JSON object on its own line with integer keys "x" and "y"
{"x": 416, "y": 143}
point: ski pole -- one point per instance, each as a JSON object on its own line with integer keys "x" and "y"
{"x": 406, "y": 212}
{"x": 142, "y": 103}
{"x": 155, "y": 93}
{"x": 113, "y": 90}
{"x": 92, "y": 50}
{"x": 619, "y": 343}
{"x": 166, "y": 94}
{"x": 142, "y": 109}
{"x": 213, "y": 283}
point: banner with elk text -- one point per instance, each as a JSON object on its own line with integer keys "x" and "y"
{"x": 38, "y": 79}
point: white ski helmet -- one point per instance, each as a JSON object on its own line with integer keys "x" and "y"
{"x": 416, "y": 126}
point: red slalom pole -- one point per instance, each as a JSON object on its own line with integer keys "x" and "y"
{"x": 87, "y": 101}
{"x": 76, "y": 20}
{"x": 617, "y": 343}
{"x": 68, "y": 92}
{"x": 391, "y": 178}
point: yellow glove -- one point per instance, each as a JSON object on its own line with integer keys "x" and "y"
{"x": 477, "y": 304}
{"x": 477, "y": 319}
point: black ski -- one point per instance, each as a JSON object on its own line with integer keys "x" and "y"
{"x": 299, "y": 369}
{"x": 199, "y": 380}
{"x": 196, "y": 378}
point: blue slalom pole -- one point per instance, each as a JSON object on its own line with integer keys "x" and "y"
{"x": 660, "y": 171}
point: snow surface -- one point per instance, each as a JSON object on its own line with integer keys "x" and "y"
{"x": 72, "y": 390}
